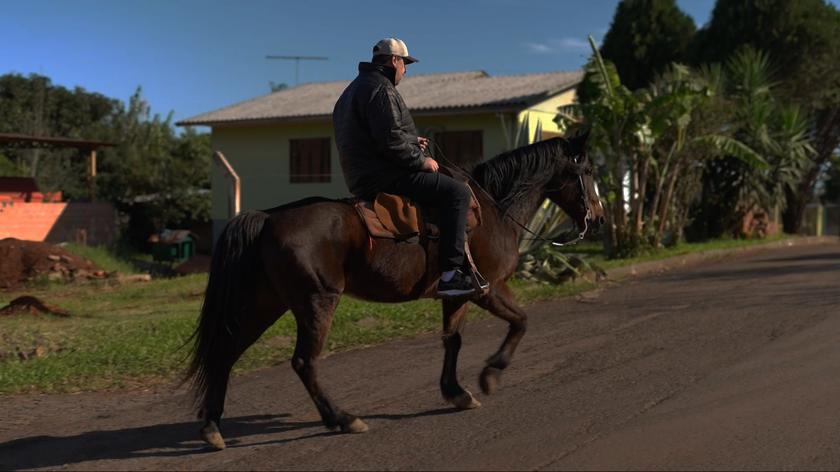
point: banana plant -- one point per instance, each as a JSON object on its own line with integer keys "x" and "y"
{"x": 647, "y": 142}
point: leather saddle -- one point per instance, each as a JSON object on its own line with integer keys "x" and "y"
{"x": 396, "y": 217}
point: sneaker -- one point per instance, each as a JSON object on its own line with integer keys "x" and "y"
{"x": 460, "y": 284}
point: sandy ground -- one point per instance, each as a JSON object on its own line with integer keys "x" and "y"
{"x": 730, "y": 364}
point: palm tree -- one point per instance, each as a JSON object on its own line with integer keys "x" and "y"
{"x": 778, "y": 133}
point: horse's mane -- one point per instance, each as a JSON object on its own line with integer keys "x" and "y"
{"x": 513, "y": 174}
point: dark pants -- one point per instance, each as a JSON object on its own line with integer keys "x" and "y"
{"x": 451, "y": 198}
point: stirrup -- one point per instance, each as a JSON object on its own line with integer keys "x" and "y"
{"x": 479, "y": 282}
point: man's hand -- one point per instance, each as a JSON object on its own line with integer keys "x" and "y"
{"x": 424, "y": 143}
{"x": 430, "y": 165}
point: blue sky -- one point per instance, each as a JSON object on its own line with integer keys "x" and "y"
{"x": 193, "y": 56}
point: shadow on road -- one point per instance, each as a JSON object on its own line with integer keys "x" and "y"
{"x": 164, "y": 440}
{"x": 402, "y": 416}
{"x": 391, "y": 417}
{"x": 764, "y": 271}
{"x": 810, "y": 257}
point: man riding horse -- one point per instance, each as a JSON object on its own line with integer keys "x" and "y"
{"x": 302, "y": 257}
{"x": 380, "y": 152}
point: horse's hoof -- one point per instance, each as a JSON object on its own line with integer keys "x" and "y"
{"x": 489, "y": 379}
{"x": 465, "y": 401}
{"x": 211, "y": 435}
{"x": 355, "y": 426}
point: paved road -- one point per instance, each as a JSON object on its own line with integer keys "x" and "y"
{"x": 730, "y": 364}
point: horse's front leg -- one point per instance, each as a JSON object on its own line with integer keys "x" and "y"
{"x": 454, "y": 316}
{"x": 500, "y": 302}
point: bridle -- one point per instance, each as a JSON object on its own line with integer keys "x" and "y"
{"x": 573, "y": 239}
{"x": 586, "y": 217}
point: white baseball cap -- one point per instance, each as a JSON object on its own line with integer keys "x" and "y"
{"x": 393, "y": 47}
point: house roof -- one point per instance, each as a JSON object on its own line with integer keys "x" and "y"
{"x": 18, "y": 185}
{"x": 25, "y": 141}
{"x": 449, "y": 92}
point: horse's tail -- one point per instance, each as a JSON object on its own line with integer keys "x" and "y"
{"x": 231, "y": 275}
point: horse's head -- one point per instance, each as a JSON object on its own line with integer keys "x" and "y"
{"x": 574, "y": 189}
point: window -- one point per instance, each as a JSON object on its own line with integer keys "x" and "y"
{"x": 461, "y": 147}
{"x": 309, "y": 160}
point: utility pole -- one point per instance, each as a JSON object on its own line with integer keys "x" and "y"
{"x": 297, "y": 60}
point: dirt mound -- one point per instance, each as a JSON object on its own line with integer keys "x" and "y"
{"x": 28, "y": 305}
{"x": 23, "y": 261}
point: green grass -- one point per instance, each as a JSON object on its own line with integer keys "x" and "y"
{"x": 594, "y": 253}
{"x": 118, "y": 335}
{"x": 133, "y": 335}
{"x": 108, "y": 260}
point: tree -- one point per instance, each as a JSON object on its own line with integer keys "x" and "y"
{"x": 645, "y": 37}
{"x": 802, "y": 38}
{"x": 644, "y": 143}
{"x": 832, "y": 183}
{"x": 776, "y": 131}
{"x": 155, "y": 176}
{"x": 33, "y": 105}
{"x": 9, "y": 168}
{"x": 277, "y": 86}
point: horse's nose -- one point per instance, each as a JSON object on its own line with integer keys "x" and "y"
{"x": 597, "y": 222}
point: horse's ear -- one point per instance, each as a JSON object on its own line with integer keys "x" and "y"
{"x": 577, "y": 143}
{"x": 583, "y": 137}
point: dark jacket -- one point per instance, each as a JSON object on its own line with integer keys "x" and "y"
{"x": 374, "y": 132}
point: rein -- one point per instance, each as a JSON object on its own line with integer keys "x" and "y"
{"x": 572, "y": 241}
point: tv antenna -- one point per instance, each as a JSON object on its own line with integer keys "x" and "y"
{"x": 297, "y": 60}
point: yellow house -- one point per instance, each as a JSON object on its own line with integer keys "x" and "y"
{"x": 282, "y": 145}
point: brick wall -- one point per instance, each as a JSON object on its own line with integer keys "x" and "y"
{"x": 92, "y": 223}
{"x": 29, "y": 221}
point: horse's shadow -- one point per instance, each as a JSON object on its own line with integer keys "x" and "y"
{"x": 163, "y": 440}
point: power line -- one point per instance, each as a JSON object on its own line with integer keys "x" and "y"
{"x": 297, "y": 60}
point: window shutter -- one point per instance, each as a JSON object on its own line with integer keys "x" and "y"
{"x": 464, "y": 148}
{"x": 309, "y": 160}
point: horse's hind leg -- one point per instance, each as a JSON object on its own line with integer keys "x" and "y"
{"x": 500, "y": 302}
{"x": 454, "y": 316}
{"x": 314, "y": 317}
{"x": 267, "y": 309}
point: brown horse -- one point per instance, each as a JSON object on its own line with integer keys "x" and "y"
{"x": 305, "y": 255}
